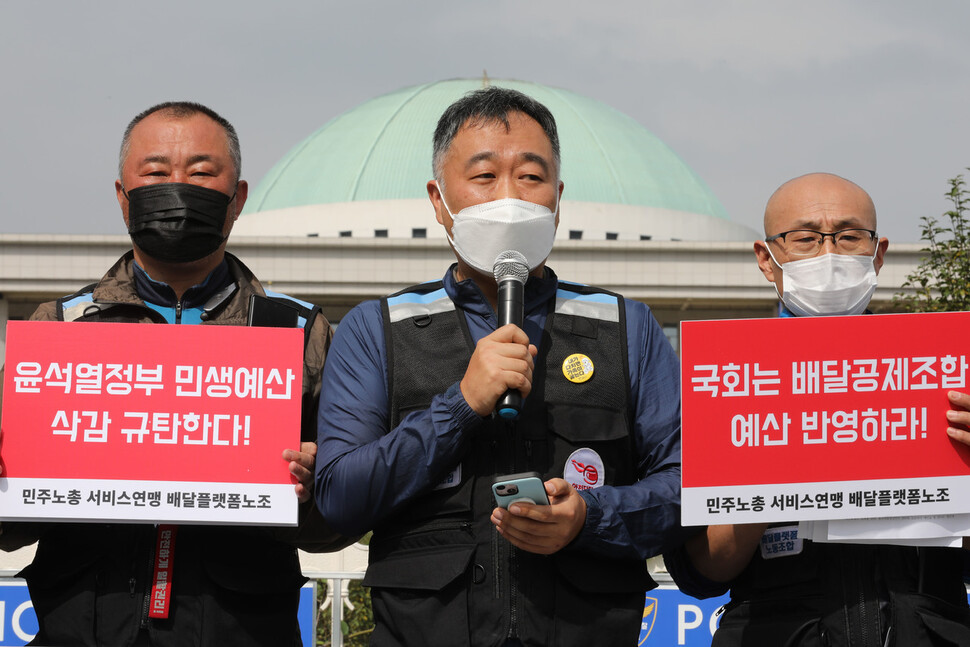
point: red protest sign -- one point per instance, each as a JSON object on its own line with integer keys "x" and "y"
{"x": 822, "y": 417}
{"x": 150, "y": 422}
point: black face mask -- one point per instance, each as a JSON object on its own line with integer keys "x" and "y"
{"x": 175, "y": 222}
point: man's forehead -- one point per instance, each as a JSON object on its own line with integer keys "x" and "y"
{"x": 825, "y": 215}
{"x": 819, "y": 202}
{"x": 497, "y": 125}
{"x": 479, "y": 137}
{"x": 481, "y": 121}
{"x": 162, "y": 127}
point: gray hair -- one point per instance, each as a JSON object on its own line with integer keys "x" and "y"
{"x": 183, "y": 110}
{"x": 491, "y": 104}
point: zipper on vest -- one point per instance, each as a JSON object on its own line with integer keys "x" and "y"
{"x": 872, "y": 622}
{"x": 492, "y": 462}
{"x": 143, "y": 620}
{"x": 513, "y": 594}
{"x": 513, "y": 551}
{"x": 863, "y": 626}
{"x": 178, "y": 311}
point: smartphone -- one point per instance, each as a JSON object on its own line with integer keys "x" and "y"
{"x": 526, "y": 487}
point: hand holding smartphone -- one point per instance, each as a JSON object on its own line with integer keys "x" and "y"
{"x": 525, "y": 487}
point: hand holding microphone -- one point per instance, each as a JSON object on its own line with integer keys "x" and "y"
{"x": 502, "y": 363}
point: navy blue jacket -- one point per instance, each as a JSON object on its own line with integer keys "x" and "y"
{"x": 366, "y": 471}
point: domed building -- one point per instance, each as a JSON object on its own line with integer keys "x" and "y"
{"x": 344, "y": 217}
{"x": 363, "y": 175}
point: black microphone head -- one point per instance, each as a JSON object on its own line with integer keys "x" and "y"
{"x": 510, "y": 265}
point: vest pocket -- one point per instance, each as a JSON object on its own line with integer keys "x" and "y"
{"x": 596, "y": 575}
{"x": 919, "y": 619}
{"x": 450, "y": 499}
{"x": 583, "y": 424}
{"x": 420, "y": 595}
{"x": 793, "y": 621}
{"x": 604, "y": 431}
{"x": 599, "y": 601}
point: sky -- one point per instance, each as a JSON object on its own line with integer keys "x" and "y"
{"x": 749, "y": 94}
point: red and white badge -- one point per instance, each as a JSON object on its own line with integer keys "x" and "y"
{"x": 584, "y": 469}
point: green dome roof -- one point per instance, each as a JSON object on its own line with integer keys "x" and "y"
{"x": 381, "y": 150}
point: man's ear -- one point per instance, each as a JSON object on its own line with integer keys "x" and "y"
{"x": 765, "y": 263}
{"x": 559, "y": 203}
{"x": 122, "y": 201}
{"x": 242, "y": 192}
{"x": 434, "y": 194}
{"x": 881, "y": 248}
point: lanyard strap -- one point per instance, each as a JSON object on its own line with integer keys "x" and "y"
{"x": 162, "y": 579}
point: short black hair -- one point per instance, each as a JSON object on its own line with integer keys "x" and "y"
{"x": 491, "y": 104}
{"x": 183, "y": 110}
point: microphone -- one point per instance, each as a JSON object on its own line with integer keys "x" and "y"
{"x": 511, "y": 271}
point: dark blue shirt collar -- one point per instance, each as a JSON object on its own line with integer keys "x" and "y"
{"x": 161, "y": 294}
{"x": 538, "y": 290}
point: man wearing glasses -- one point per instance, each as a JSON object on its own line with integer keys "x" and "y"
{"x": 822, "y": 253}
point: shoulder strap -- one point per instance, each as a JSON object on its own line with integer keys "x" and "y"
{"x": 417, "y": 301}
{"x": 427, "y": 344}
{"x": 587, "y": 301}
{"x": 305, "y": 312}
{"x": 74, "y": 306}
{"x": 588, "y": 326}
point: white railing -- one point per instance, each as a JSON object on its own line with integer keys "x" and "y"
{"x": 335, "y": 597}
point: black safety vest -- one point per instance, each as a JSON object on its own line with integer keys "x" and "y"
{"x": 440, "y": 573}
{"x": 849, "y": 595}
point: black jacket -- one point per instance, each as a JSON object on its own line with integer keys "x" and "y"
{"x": 231, "y": 585}
{"x": 840, "y": 595}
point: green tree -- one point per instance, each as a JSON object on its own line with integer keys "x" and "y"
{"x": 941, "y": 282}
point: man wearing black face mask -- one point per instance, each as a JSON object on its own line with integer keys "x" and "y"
{"x": 177, "y": 222}
{"x": 180, "y": 193}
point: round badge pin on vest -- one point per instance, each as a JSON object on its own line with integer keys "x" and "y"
{"x": 584, "y": 469}
{"x": 577, "y": 368}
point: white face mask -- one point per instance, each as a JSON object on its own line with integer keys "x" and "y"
{"x": 830, "y": 284}
{"x": 481, "y": 233}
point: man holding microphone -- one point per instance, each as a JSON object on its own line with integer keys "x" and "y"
{"x": 410, "y": 442}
